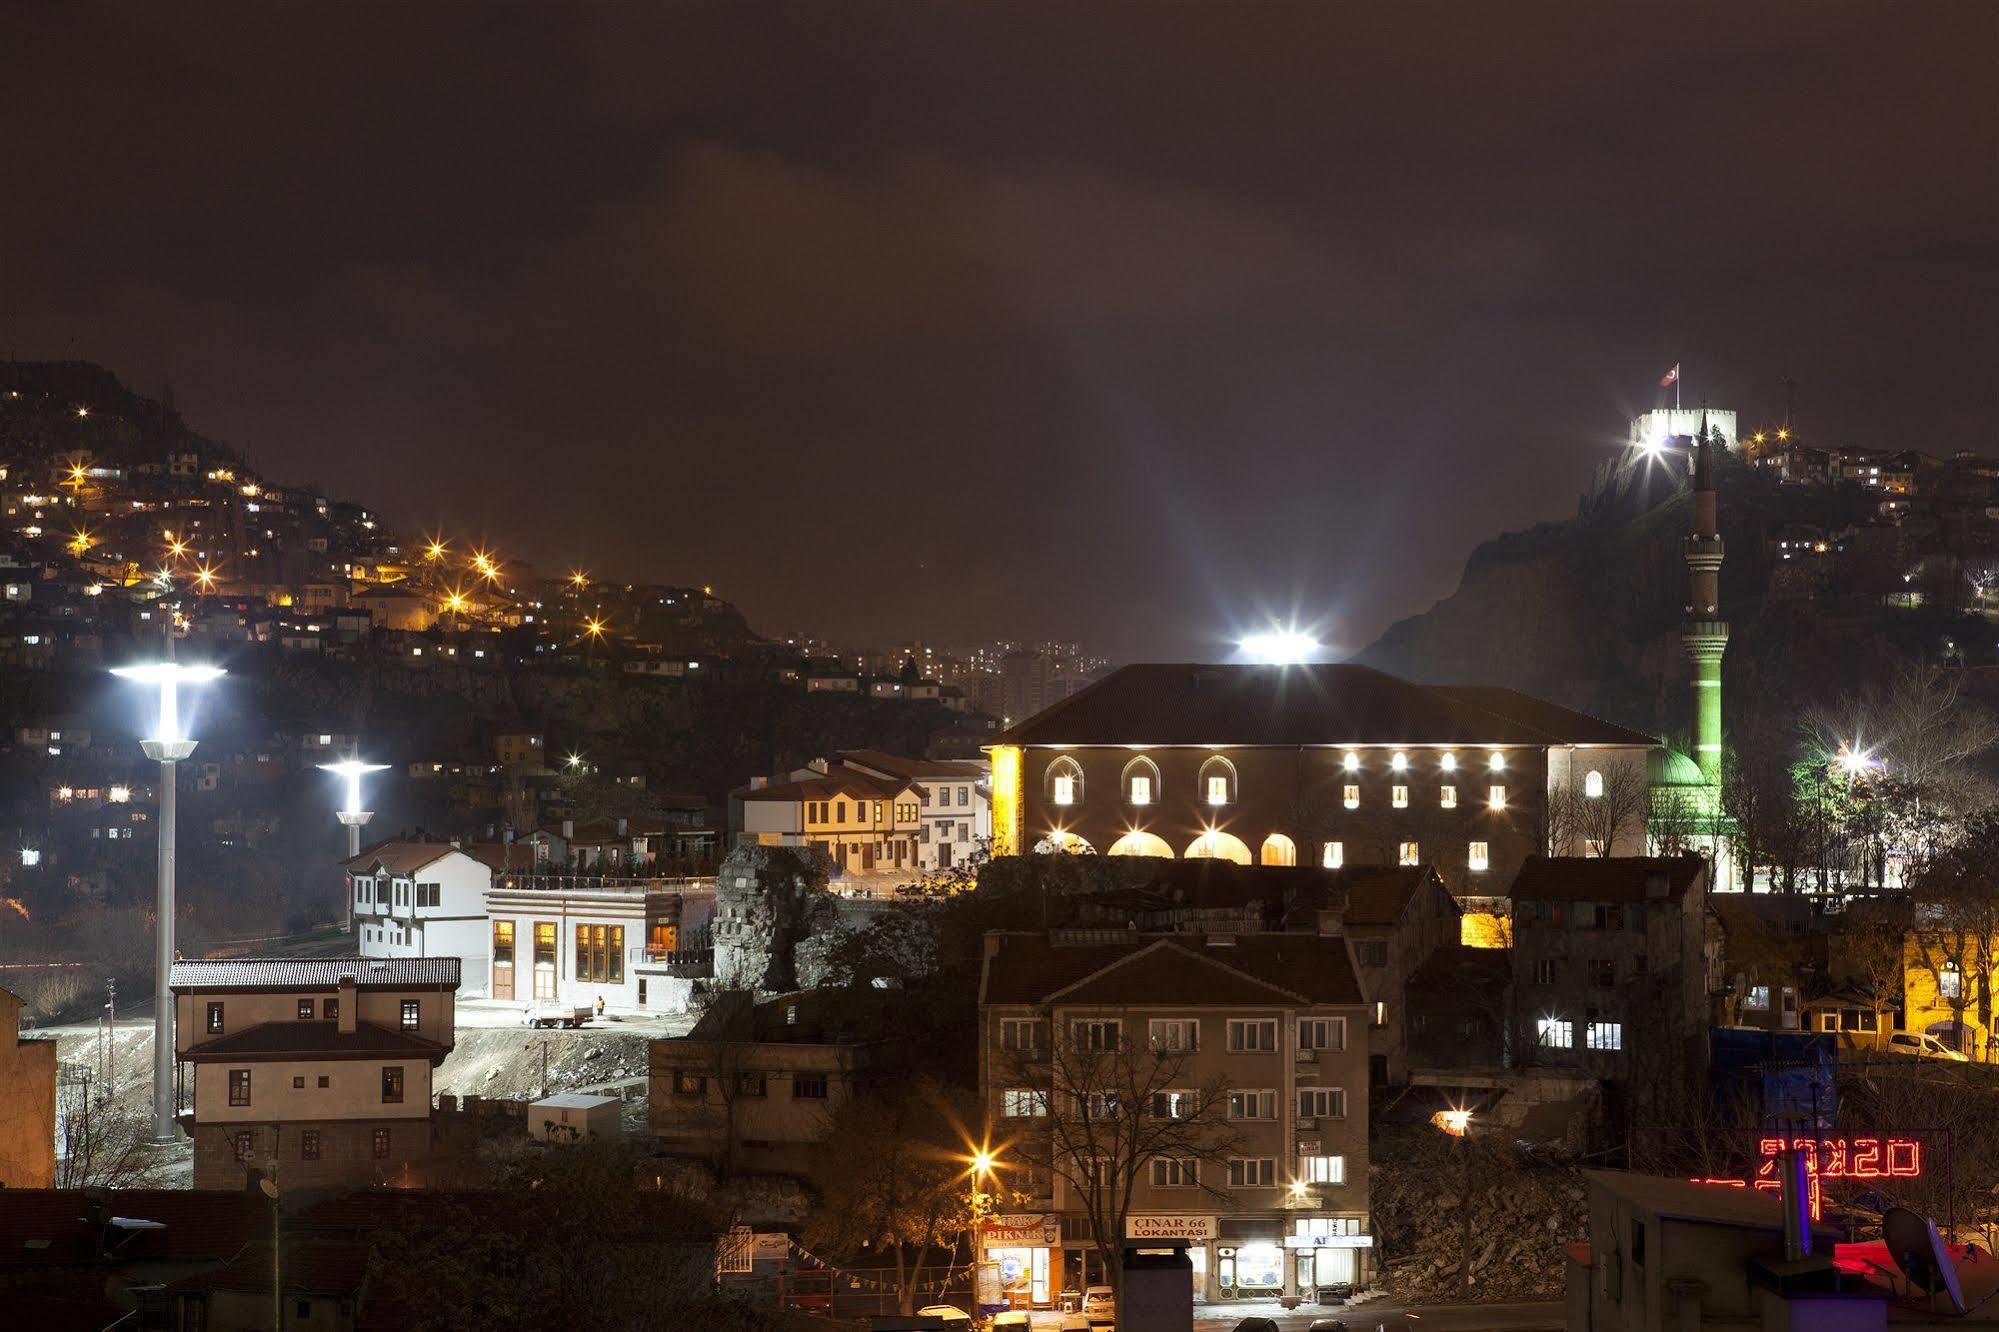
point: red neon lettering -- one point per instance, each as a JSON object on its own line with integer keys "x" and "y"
{"x": 1905, "y": 1158}
{"x": 1866, "y": 1158}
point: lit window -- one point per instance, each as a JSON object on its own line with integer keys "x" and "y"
{"x": 1495, "y": 796}
{"x": 1024, "y": 1103}
{"x": 1450, "y": 762}
{"x": 1758, "y": 997}
{"x": 1604, "y": 1035}
{"x": 1065, "y": 789}
{"x": 1218, "y": 790}
{"x": 1448, "y": 797}
{"x": 1497, "y": 762}
{"x": 1408, "y": 854}
{"x": 1593, "y": 784}
{"x": 1398, "y": 796}
{"x": 1950, "y": 983}
{"x": 1323, "y": 1169}
{"x": 1557, "y": 1033}
{"x": 1335, "y": 855}
{"x": 1480, "y": 858}
{"x": 1399, "y": 762}
{"x": 1141, "y": 790}
{"x": 1351, "y": 762}
{"x": 1353, "y": 797}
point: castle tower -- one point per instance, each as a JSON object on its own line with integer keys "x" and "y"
{"x": 1705, "y": 632}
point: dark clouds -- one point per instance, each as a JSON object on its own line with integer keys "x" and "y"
{"x": 1134, "y": 324}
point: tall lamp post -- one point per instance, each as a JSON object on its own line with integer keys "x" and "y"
{"x": 168, "y": 746}
{"x": 350, "y": 813}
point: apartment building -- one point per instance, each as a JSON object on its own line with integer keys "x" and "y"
{"x": 314, "y": 1071}
{"x": 1256, "y": 1040}
{"x": 867, "y": 823}
{"x": 1610, "y": 963}
{"x": 1396, "y": 919}
{"x": 956, "y": 815}
{"x": 422, "y": 899}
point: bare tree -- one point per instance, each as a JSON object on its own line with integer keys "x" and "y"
{"x": 1590, "y": 818}
{"x": 1112, "y": 1107}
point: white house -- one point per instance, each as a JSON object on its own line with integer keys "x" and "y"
{"x": 422, "y": 899}
{"x": 957, "y": 811}
{"x": 578, "y": 940}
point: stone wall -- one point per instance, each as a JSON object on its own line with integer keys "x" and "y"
{"x": 768, "y": 900}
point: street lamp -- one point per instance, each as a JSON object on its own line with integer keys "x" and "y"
{"x": 983, "y": 1162}
{"x": 168, "y": 745}
{"x": 350, "y": 813}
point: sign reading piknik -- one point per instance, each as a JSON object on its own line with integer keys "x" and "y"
{"x": 1169, "y": 1225}
{"x": 1023, "y": 1229}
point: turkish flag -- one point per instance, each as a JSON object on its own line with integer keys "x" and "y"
{"x": 1672, "y": 377}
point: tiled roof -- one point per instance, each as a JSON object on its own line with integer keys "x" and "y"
{"x": 1177, "y": 969}
{"x": 42, "y": 1228}
{"x": 502, "y": 856}
{"x": 400, "y": 857}
{"x": 913, "y": 769}
{"x": 316, "y": 973}
{"x": 316, "y": 1039}
{"x": 1605, "y": 878}
{"x": 838, "y": 781}
{"x": 1380, "y": 894}
{"x": 1187, "y": 704}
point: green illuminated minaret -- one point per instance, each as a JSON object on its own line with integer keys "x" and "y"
{"x": 1705, "y": 632}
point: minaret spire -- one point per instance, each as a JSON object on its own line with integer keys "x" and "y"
{"x": 1705, "y": 632}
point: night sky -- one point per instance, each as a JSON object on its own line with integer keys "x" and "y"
{"x": 1137, "y": 325}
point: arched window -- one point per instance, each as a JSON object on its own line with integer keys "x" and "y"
{"x": 1279, "y": 850}
{"x": 1140, "y": 844}
{"x": 1218, "y": 782}
{"x": 1218, "y": 846}
{"x": 1066, "y": 843}
{"x": 1140, "y": 783}
{"x": 1593, "y": 784}
{"x": 1062, "y": 782}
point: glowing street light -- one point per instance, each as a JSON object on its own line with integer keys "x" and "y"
{"x": 1281, "y": 647}
{"x": 579, "y": 577}
{"x": 436, "y": 550}
{"x": 167, "y": 746}
{"x": 350, "y": 813}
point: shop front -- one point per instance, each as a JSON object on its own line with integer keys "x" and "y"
{"x": 1020, "y": 1261}
{"x": 1328, "y": 1253}
{"x": 1195, "y": 1228}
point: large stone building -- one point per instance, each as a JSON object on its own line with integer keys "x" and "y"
{"x": 1088, "y": 1040}
{"x": 1321, "y": 764}
{"x": 314, "y": 1070}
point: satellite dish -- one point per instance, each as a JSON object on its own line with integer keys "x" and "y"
{"x": 1916, "y": 1248}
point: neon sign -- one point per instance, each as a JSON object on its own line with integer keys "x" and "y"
{"x": 1832, "y": 1158}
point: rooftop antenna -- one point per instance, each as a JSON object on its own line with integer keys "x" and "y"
{"x": 1790, "y": 402}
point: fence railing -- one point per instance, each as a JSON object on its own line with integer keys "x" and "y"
{"x": 637, "y": 886}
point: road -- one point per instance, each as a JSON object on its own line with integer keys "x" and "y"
{"x": 1396, "y": 1318}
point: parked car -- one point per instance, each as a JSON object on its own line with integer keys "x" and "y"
{"x": 1257, "y": 1325}
{"x": 1099, "y": 1306}
{"x": 548, "y": 1013}
{"x": 1925, "y": 1047}
{"x": 1328, "y": 1325}
{"x": 1011, "y": 1318}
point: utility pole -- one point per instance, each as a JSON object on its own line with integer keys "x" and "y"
{"x": 111, "y": 1039}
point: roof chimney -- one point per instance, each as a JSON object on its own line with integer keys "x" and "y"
{"x": 350, "y": 996}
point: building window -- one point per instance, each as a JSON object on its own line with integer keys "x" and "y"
{"x": 1604, "y": 1035}
{"x": 1603, "y": 973}
{"x": 1141, "y": 790}
{"x": 1252, "y": 1172}
{"x": 1495, "y": 797}
{"x": 1593, "y": 784}
{"x": 298, "y": 1083}
{"x": 215, "y": 1019}
{"x": 412, "y": 1014}
{"x": 392, "y": 1086}
{"x": 1252, "y": 1105}
{"x": 1351, "y": 796}
{"x": 600, "y": 953}
{"x": 1950, "y": 984}
{"x": 325, "y": 1081}
{"x": 381, "y": 1144}
{"x": 1141, "y": 782}
{"x": 1408, "y": 853}
{"x": 1095, "y": 1034}
{"x": 1099, "y": 1105}
{"x": 1447, "y": 796}
{"x": 1174, "y": 1035}
{"x": 1322, "y": 1033}
{"x": 1176, "y": 1104}
{"x": 750, "y": 1084}
{"x": 1323, "y": 1169}
{"x": 305, "y": 1010}
{"x": 1252, "y": 1035}
{"x": 1759, "y": 997}
{"x": 1065, "y": 782}
{"x": 1371, "y": 952}
{"x": 1218, "y": 781}
{"x": 1544, "y": 971}
{"x": 329, "y": 1009}
{"x": 1333, "y": 855}
{"x": 1479, "y": 858}
{"x": 308, "y": 1145}
{"x": 1398, "y": 796}
{"x": 1022, "y": 1034}
{"x": 1175, "y": 1172}
{"x": 808, "y": 1086}
{"x": 1024, "y": 1103}
{"x": 1322, "y": 1103}
{"x": 1557, "y": 1033}
{"x": 239, "y": 1086}
{"x": 689, "y": 1084}
{"x": 245, "y": 1144}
